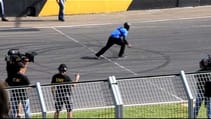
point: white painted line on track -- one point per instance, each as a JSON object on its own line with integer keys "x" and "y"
{"x": 76, "y": 41}
{"x": 147, "y": 21}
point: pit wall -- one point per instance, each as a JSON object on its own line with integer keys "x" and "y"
{"x": 50, "y": 7}
{"x": 86, "y": 6}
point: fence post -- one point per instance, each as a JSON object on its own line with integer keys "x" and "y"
{"x": 116, "y": 97}
{"x": 189, "y": 94}
{"x": 41, "y": 99}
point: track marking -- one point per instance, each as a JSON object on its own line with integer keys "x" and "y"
{"x": 147, "y": 21}
{"x": 76, "y": 41}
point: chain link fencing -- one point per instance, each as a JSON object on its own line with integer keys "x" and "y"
{"x": 196, "y": 83}
{"x": 150, "y": 97}
{"x": 137, "y": 97}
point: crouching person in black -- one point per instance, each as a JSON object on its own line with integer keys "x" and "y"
{"x": 203, "y": 86}
{"x": 16, "y": 68}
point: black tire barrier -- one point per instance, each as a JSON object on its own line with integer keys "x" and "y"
{"x": 205, "y": 2}
{"x": 152, "y": 4}
{"x": 19, "y": 8}
{"x": 185, "y": 3}
{"x": 159, "y": 4}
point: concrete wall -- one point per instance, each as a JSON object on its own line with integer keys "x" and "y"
{"x": 50, "y": 7}
{"x": 85, "y": 6}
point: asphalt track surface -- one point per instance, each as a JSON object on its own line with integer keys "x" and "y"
{"x": 161, "y": 45}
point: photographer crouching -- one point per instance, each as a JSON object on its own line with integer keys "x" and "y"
{"x": 16, "y": 66}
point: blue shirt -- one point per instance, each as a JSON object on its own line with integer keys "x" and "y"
{"x": 119, "y": 32}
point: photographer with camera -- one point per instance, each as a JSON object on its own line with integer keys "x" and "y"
{"x": 203, "y": 86}
{"x": 16, "y": 66}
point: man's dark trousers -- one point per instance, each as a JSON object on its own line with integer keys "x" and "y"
{"x": 111, "y": 42}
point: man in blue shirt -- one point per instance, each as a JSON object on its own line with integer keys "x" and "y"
{"x": 118, "y": 36}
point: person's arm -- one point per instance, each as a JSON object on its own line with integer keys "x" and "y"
{"x": 77, "y": 78}
{"x": 53, "y": 90}
{"x": 124, "y": 34}
{"x": 52, "y": 87}
{"x": 24, "y": 68}
{"x": 126, "y": 42}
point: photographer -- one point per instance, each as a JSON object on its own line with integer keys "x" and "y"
{"x": 203, "y": 86}
{"x": 17, "y": 62}
{"x": 16, "y": 66}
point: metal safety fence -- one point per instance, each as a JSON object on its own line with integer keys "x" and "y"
{"x": 171, "y": 96}
{"x": 150, "y": 97}
{"x": 200, "y": 92}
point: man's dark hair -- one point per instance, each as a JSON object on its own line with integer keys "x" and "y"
{"x": 127, "y": 25}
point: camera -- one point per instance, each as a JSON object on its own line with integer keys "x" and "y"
{"x": 16, "y": 60}
{"x": 14, "y": 56}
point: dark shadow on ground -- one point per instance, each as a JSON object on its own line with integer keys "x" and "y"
{"x": 19, "y": 29}
{"x": 34, "y": 20}
{"x": 89, "y": 57}
{"x": 110, "y": 57}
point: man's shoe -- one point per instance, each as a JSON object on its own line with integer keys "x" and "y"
{"x": 4, "y": 19}
{"x": 98, "y": 57}
{"x": 122, "y": 57}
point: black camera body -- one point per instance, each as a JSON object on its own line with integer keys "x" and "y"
{"x": 16, "y": 60}
{"x": 14, "y": 56}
